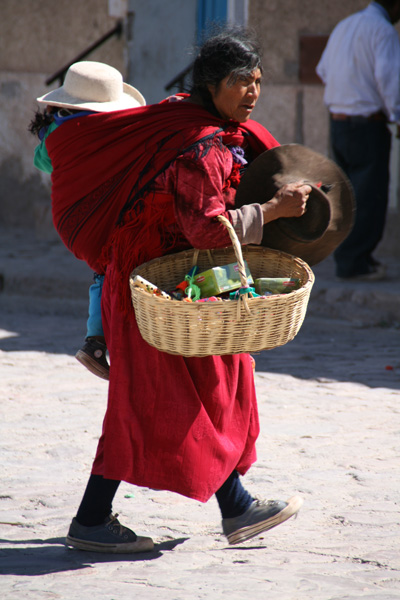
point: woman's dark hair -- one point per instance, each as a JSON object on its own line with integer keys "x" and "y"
{"x": 233, "y": 51}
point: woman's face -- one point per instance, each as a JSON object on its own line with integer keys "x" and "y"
{"x": 236, "y": 101}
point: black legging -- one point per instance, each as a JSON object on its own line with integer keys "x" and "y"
{"x": 97, "y": 500}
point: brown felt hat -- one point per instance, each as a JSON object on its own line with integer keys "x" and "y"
{"x": 330, "y": 207}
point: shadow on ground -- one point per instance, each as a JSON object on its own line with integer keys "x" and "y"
{"x": 40, "y": 557}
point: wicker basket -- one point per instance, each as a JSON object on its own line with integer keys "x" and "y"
{"x": 228, "y": 327}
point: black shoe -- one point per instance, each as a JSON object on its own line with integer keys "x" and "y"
{"x": 374, "y": 262}
{"x": 110, "y": 537}
{"x": 93, "y": 356}
{"x": 375, "y": 272}
{"x": 259, "y": 517}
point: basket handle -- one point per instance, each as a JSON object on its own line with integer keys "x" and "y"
{"x": 239, "y": 256}
{"x": 196, "y": 257}
{"x": 237, "y": 248}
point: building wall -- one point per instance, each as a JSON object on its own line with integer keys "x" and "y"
{"x": 40, "y": 36}
{"x": 162, "y": 36}
{"x": 37, "y": 38}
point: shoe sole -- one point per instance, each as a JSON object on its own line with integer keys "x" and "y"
{"x": 92, "y": 365}
{"x": 142, "y": 544}
{"x": 366, "y": 278}
{"x": 246, "y": 533}
{"x": 379, "y": 275}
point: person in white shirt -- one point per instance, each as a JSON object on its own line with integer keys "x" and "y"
{"x": 360, "y": 68}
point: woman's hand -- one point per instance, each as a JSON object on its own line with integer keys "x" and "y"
{"x": 289, "y": 201}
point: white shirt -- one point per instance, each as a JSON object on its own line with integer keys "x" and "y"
{"x": 360, "y": 65}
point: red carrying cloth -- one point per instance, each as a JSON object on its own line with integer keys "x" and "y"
{"x": 102, "y": 161}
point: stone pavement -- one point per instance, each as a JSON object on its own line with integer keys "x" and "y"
{"x": 330, "y": 431}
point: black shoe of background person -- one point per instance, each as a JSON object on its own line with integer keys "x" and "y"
{"x": 375, "y": 272}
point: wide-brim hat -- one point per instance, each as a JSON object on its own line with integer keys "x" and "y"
{"x": 91, "y": 85}
{"x": 330, "y": 208}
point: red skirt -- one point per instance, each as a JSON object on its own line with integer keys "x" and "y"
{"x": 173, "y": 423}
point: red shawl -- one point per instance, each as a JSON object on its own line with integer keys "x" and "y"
{"x": 104, "y": 162}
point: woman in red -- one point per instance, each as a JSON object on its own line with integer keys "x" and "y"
{"x": 187, "y": 425}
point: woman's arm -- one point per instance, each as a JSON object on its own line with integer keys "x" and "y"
{"x": 201, "y": 193}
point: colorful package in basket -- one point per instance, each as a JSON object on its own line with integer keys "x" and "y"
{"x": 276, "y": 285}
{"x": 220, "y": 279}
{"x": 148, "y": 287}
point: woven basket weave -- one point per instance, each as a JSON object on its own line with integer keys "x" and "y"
{"x": 228, "y": 327}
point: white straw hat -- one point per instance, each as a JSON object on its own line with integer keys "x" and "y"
{"x": 93, "y": 86}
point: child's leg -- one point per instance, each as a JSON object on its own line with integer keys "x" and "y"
{"x": 93, "y": 353}
{"x": 94, "y": 324}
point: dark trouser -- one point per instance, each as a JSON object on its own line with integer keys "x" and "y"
{"x": 361, "y": 147}
{"x": 96, "y": 504}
